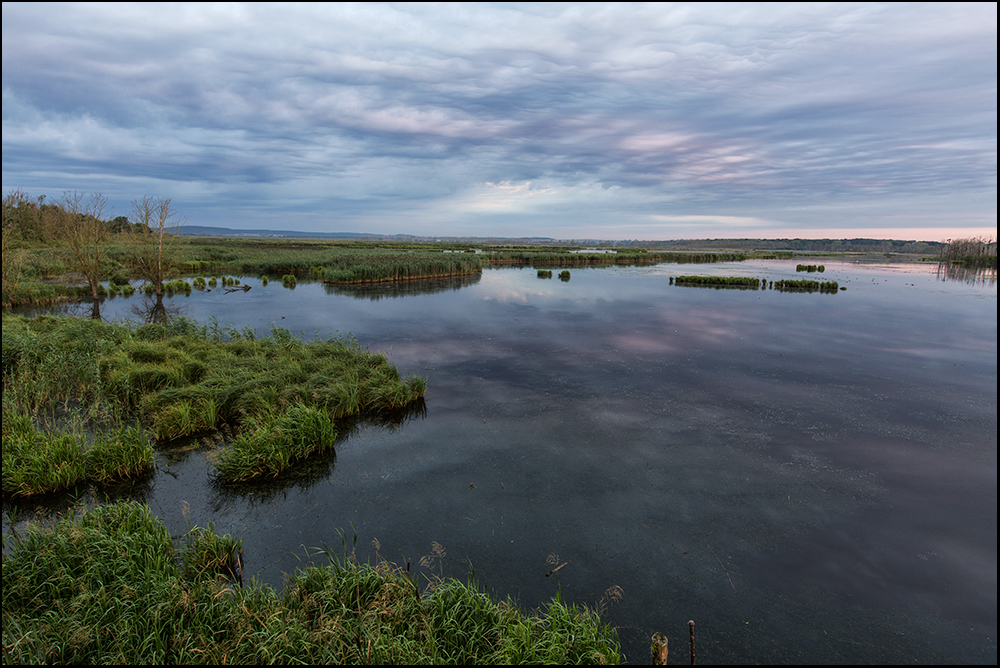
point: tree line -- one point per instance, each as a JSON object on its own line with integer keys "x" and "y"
{"x": 80, "y": 227}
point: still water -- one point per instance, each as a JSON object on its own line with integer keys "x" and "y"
{"x": 811, "y": 478}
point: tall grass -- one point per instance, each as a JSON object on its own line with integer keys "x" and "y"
{"x": 182, "y": 380}
{"x": 829, "y": 287}
{"x": 718, "y": 281}
{"x": 37, "y": 462}
{"x": 111, "y": 587}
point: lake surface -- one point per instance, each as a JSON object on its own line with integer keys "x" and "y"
{"x": 810, "y": 477}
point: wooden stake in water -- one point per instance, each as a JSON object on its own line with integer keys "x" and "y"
{"x": 691, "y": 630}
{"x": 659, "y": 650}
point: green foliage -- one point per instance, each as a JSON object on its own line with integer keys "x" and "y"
{"x": 829, "y": 287}
{"x": 544, "y": 273}
{"x": 182, "y": 380}
{"x": 810, "y": 268}
{"x": 564, "y": 275}
{"x": 745, "y": 282}
{"x": 279, "y": 441}
{"x": 37, "y": 462}
{"x": 110, "y": 587}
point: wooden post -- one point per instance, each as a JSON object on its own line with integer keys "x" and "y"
{"x": 691, "y": 629}
{"x": 659, "y": 650}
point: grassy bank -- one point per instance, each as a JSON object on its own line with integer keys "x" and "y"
{"x": 44, "y": 277}
{"x": 111, "y": 587}
{"x": 278, "y": 394}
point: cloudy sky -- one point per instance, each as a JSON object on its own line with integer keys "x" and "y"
{"x": 566, "y": 121}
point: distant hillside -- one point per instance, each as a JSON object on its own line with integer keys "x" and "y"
{"x": 796, "y": 245}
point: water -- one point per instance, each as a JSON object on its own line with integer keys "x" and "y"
{"x": 811, "y": 478}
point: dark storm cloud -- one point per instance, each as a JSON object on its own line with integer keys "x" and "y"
{"x": 606, "y": 120}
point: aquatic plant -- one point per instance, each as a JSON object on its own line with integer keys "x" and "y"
{"x": 37, "y": 462}
{"x": 110, "y": 586}
{"x": 277, "y": 442}
{"x": 544, "y": 273}
{"x": 564, "y": 275}
{"x": 288, "y": 280}
{"x": 829, "y": 287}
{"x": 718, "y": 281}
{"x": 182, "y": 380}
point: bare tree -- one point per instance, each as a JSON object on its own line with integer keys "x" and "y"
{"x": 156, "y": 224}
{"x": 81, "y": 225}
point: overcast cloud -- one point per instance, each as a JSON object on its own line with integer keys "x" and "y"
{"x": 567, "y": 121}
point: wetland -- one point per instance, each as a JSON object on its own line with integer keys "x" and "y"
{"x": 812, "y": 479}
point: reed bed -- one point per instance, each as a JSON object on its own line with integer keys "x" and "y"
{"x": 543, "y": 258}
{"x": 110, "y": 586}
{"x": 810, "y": 268}
{"x": 745, "y": 282}
{"x": 37, "y": 461}
{"x": 182, "y": 380}
{"x": 828, "y": 287}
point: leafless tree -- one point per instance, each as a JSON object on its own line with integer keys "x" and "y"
{"x": 81, "y": 225}
{"x": 156, "y": 225}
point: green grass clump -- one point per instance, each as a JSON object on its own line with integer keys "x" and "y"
{"x": 745, "y": 282}
{"x": 810, "y": 268}
{"x": 288, "y": 280}
{"x": 39, "y": 462}
{"x": 275, "y": 445}
{"x": 182, "y": 380}
{"x": 829, "y": 287}
{"x": 564, "y": 275}
{"x": 111, "y": 587}
{"x": 544, "y": 273}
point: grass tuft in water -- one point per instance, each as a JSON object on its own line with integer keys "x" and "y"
{"x": 109, "y": 586}
{"x": 183, "y": 380}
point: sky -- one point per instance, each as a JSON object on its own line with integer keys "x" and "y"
{"x": 570, "y": 121}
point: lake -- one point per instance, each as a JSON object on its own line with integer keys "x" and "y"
{"x": 810, "y": 477}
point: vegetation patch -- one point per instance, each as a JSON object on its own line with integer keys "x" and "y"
{"x": 806, "y": 286}
{"x": 37, "y": 462}
{"x": 718, "y": 281}
{"x": 278, "y": 392}
{"x": 111, "y": 587}
{"x": 810, "y": 268}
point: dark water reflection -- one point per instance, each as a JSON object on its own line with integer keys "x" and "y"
{"x": 812, "y": 478}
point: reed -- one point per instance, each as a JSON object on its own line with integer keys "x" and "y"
{"x": 828, "y": 287}
{"x": 276, "y": 444}
{"x": 39, "y": 462}
{"x": 110, "y": 586}
{"x": 184, "y": 380}
{"x": 745, "y": 282}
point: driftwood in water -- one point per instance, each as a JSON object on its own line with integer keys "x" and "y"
{"x": 242, "y": 288}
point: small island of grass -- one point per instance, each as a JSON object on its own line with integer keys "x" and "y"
{"x": 279, "y": 395}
